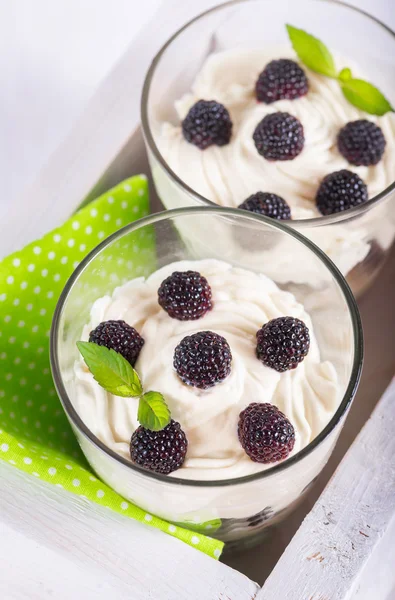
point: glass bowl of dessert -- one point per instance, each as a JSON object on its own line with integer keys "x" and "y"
{"x": 282, "y": 108}
{"x": 206, "y": 391}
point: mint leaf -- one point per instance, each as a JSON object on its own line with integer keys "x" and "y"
{"x": 153, "y": 412}
{"x": 365, "y": 96}
{"x": 315, "y": 55}
{"x": 312, "y": 52}
{"x": 345, "y": 74}
{"x": 116, "y": 375}
{"x": 111, "y": 370}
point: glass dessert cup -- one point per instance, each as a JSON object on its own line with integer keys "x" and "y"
{"x": 253, "y": 24}
{"x": 234, "y": 509}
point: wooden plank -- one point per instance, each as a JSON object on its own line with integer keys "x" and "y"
{"x": 97, "y": 137}
{"x": 257, "y": 563}
{"x": 377, "y": 580}
{"x": 78, "y": 549}
{"x": 327, "y": 557}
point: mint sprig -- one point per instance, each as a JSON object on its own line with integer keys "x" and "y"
{"x": 365, "y": 96}
{"x": 111, "y": 370}
{"x": 312, "y": 52}
{"x": 116, "y": 375}
{"x": 317, "y": 57}
{"x": 345, "y": 75}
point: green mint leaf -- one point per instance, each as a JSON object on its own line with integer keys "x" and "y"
{"x": 111, "y": 370}
{"x": 365, "y": 96}
{"x": 153, "y": 412}
{"x": 312, "y": 52}
{"x": 345, "y": 74}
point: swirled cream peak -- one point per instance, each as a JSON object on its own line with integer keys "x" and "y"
{"x": 242, "y": 302}
{"x": 228, "y": 175}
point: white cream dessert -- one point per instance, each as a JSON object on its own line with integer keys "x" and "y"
{"x": 229, "y": 174}
{"x": 242, "y": 302}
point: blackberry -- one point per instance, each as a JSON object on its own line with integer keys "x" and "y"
{"x": 119, "y": 336}
{"x": 281, "y": 79}
{"x": 265, "y": 433}
{"x": 202, "y": 359}
{"x": 207, "y": 123}
{"x": 279, "y": 136}
{"x": 270, "y": 205}
{"x": 185, "y": 295}
{"x": 361, "y": 143}
{"x": 283, "y": 343}
{"x": 160, "y": 451}
{"x": 340, "y": 191}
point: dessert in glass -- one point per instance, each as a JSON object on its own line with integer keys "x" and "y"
{"x": 256, "y": 375}
{"x": 232, "y": 116}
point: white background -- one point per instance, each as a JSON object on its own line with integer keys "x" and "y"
{"x": 53, "y": 55}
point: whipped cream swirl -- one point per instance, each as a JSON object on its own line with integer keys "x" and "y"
{"x": 228, "y": 175}
{"x": 242, "y": 302}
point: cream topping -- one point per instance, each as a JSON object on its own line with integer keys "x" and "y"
{"x": 243, "y": 301}
{"x": 227, "y": 175}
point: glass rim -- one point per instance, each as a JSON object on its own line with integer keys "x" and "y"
{"x": 150, "y": 138}
{"x": 170, "y": 214}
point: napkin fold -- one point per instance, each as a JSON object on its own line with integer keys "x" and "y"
{"x": 35, "y": 435}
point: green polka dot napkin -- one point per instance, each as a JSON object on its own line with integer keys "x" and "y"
{"x": 35, "y": 435}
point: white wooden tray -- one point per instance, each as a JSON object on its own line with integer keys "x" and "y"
{"x": 54, "y": 544}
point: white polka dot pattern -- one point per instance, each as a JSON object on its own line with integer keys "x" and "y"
{"x": 35, "y": 435}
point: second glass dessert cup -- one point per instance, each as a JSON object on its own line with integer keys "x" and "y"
{"x": 236, "y": 509}
{"x": 358, "y": 239}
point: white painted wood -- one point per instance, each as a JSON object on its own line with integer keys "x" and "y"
{"x": 335, "y": 550}
{"x": 257, "y": 563}
{"x": 377, "y": 580}
{"x": 53, "y": 56}
{"x": 78, "y": 549}
{"x": 97, "y": 137}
